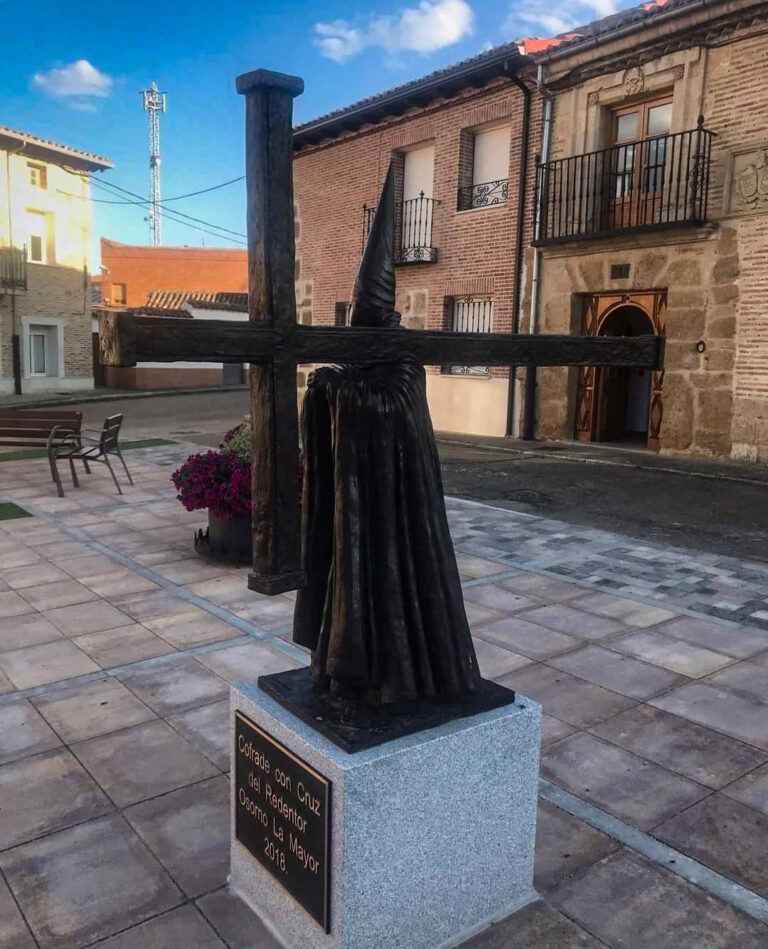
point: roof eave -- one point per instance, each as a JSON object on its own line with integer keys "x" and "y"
{"x": 38, "y": 148}
{"x": 417, "y": 94}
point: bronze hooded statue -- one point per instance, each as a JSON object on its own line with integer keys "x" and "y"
{"x": 383, "y": 610}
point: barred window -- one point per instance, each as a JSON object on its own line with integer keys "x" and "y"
{"x": 469, "y": 315}
{"x": 342, "y": 312}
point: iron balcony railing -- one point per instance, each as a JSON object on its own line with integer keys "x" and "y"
{"x": 413, "y": 229}
{"x": 483, "y": 195}
{"x": 13, "y": 268}
{"x": 642, "y": 185}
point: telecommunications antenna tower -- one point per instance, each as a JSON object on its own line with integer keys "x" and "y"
{"x": 153, "y": 103}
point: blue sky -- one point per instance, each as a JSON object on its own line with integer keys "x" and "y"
{"x": 73, "y": 74}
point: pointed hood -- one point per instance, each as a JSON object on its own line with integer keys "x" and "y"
{"x": 373, "y": 295}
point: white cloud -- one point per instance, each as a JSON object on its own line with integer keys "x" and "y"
{"x": 558, "y": 16}
{"x": 433, "y": 25}
{"x": 76, "y": 84}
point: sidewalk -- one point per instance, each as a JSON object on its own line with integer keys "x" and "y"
{"x": 32, "y": 400}
{"x": 117, "y": 647}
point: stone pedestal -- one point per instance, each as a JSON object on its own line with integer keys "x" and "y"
{"x": 431, "y": 836}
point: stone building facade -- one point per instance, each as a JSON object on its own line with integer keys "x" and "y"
{"x": 660, "y": 227}
{"x": 457, "y": 141}
{"x": 45, "y": 280}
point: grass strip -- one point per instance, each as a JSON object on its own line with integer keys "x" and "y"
{"x": 22, "y": 453}
{"x": 9, "y": 511}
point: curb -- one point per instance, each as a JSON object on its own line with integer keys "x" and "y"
{"x": 79, "y": 399}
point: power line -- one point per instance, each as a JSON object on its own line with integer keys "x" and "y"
{"x": 178, "y": 197}
{"x": 169, "y": 213}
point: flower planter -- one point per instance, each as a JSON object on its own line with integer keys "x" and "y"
{"x": 226, "y": 540}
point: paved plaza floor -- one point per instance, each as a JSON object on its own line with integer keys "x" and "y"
{"x": 118, "y": 645}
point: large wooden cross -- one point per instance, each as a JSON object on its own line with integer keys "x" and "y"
{"x": 274, "y": 344}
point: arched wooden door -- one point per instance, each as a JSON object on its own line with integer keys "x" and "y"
{"x": 596, "y": 384}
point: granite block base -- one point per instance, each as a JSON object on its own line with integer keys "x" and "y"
{"x": 431, "y": 835}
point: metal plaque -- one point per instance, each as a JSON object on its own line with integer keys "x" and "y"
{"x": 283, "y": 816}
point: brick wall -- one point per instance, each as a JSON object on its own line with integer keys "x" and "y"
{"x": 476, "y": 249}
{"x": 143, "y": 269}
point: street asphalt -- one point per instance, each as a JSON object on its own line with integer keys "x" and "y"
{"x": 717, "y": 506}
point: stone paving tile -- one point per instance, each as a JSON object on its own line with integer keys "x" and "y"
{"x": 563, "y": 618}
{"x": 26, "y": 630}
{"x": 748, "y": 679}
{"x": 46, "y": 662}
{"x": 563, "y": 696}
{"x": 267, "y": 614}
{"x": 141, "y": 762}
{"x": 528, "y": 639}
{"x": 496, "y": 597}
{"x": 692, "y": 750}
{"x": 538, "y": 926}
{"x": 118, "y": 583}
{"x": 23, "y": 732}
{"x": 546, "y": 588}
{"x": 11, "y": 604}
{"x": 628, "y": 611}
{"x": 192, "y": 627}
{"x": 725, "y": 835}
{"x": 175, "y": 684}
{"x": 630, "y": 903}
{"x": 89, "y": 565}
{"x": 495, "y": 661}
{"x": 46, "y": 793}
{"x": 628, "y": 786}
{"x": 182, "y": 927}
{"x": 565, "y": 846}
{"x": 225, "y": 591}
{"x": 18, "y": 556}
{"x": 208, "y": 729}
{"x": 14, "y": 933}
{"x": 616, "y": 672}
{"x": 672, "y": 654}
{"x": 732, "y": 641}
{"x": 472, "y": 568}
{"x": 752, "y": 789}
{"x": 235, "y": 922}
{"x": 552, "y": 729}
{"x": 189, "y": 570}
{"x": 245, "y": 663}
{"x": 734, "y": 715}
{"x": 49, "y": 596}
{"x": 118, "y": 647}
{"x": 55, "y": 879}
{"x": 95, "y": 708}
{"x": 21, "y": 577}
{"x": 148, "y": 605}
{"x": 94, "y": 617}
{"x": 6, "y": 685}
{"x": 188, "y": 832}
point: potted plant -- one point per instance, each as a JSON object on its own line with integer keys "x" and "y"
{"x": 221, "y": 482}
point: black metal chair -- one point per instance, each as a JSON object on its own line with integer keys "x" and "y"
{"x": 87, "y": 448}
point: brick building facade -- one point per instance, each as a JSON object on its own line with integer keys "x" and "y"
{"x": 45, "y": 281}
{"x": 131, "y": 272}
{"x": 458, "y": 236}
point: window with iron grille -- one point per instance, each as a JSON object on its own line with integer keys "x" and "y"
{"x": 469, "y": 315}
{"x": 342, "y": 312}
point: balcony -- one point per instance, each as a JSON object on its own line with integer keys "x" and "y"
{"x": 643, "y": 185}
{"x": 13, "y": 269}
{"x": 413, "y": 229}
{"x": 483, "y": 195}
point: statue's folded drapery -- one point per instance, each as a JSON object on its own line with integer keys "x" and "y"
{"x": 383, "y": 610}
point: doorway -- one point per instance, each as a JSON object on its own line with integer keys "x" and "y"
{"x": 621, "y": 404}
{"x": 624, "y": 392}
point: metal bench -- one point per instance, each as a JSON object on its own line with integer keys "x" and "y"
{"x": 39, "y": 428}
{"x": 96, "y": 446}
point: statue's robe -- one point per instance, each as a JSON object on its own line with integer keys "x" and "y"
{"x": 383, "y": 610}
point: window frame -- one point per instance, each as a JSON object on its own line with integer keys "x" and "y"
{"x": 451, "y": 318}
{"x": 42, "y": 170}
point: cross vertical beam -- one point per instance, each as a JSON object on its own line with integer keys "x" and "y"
{"x": 272, "y": 303}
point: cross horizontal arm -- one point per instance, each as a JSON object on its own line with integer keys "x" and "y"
{"x": 127, "y": 340}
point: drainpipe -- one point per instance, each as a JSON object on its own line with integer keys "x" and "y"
{"x": 520, "y": 234}
{"x": 529, "y": 409}
{"x": 15, "y": 338}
